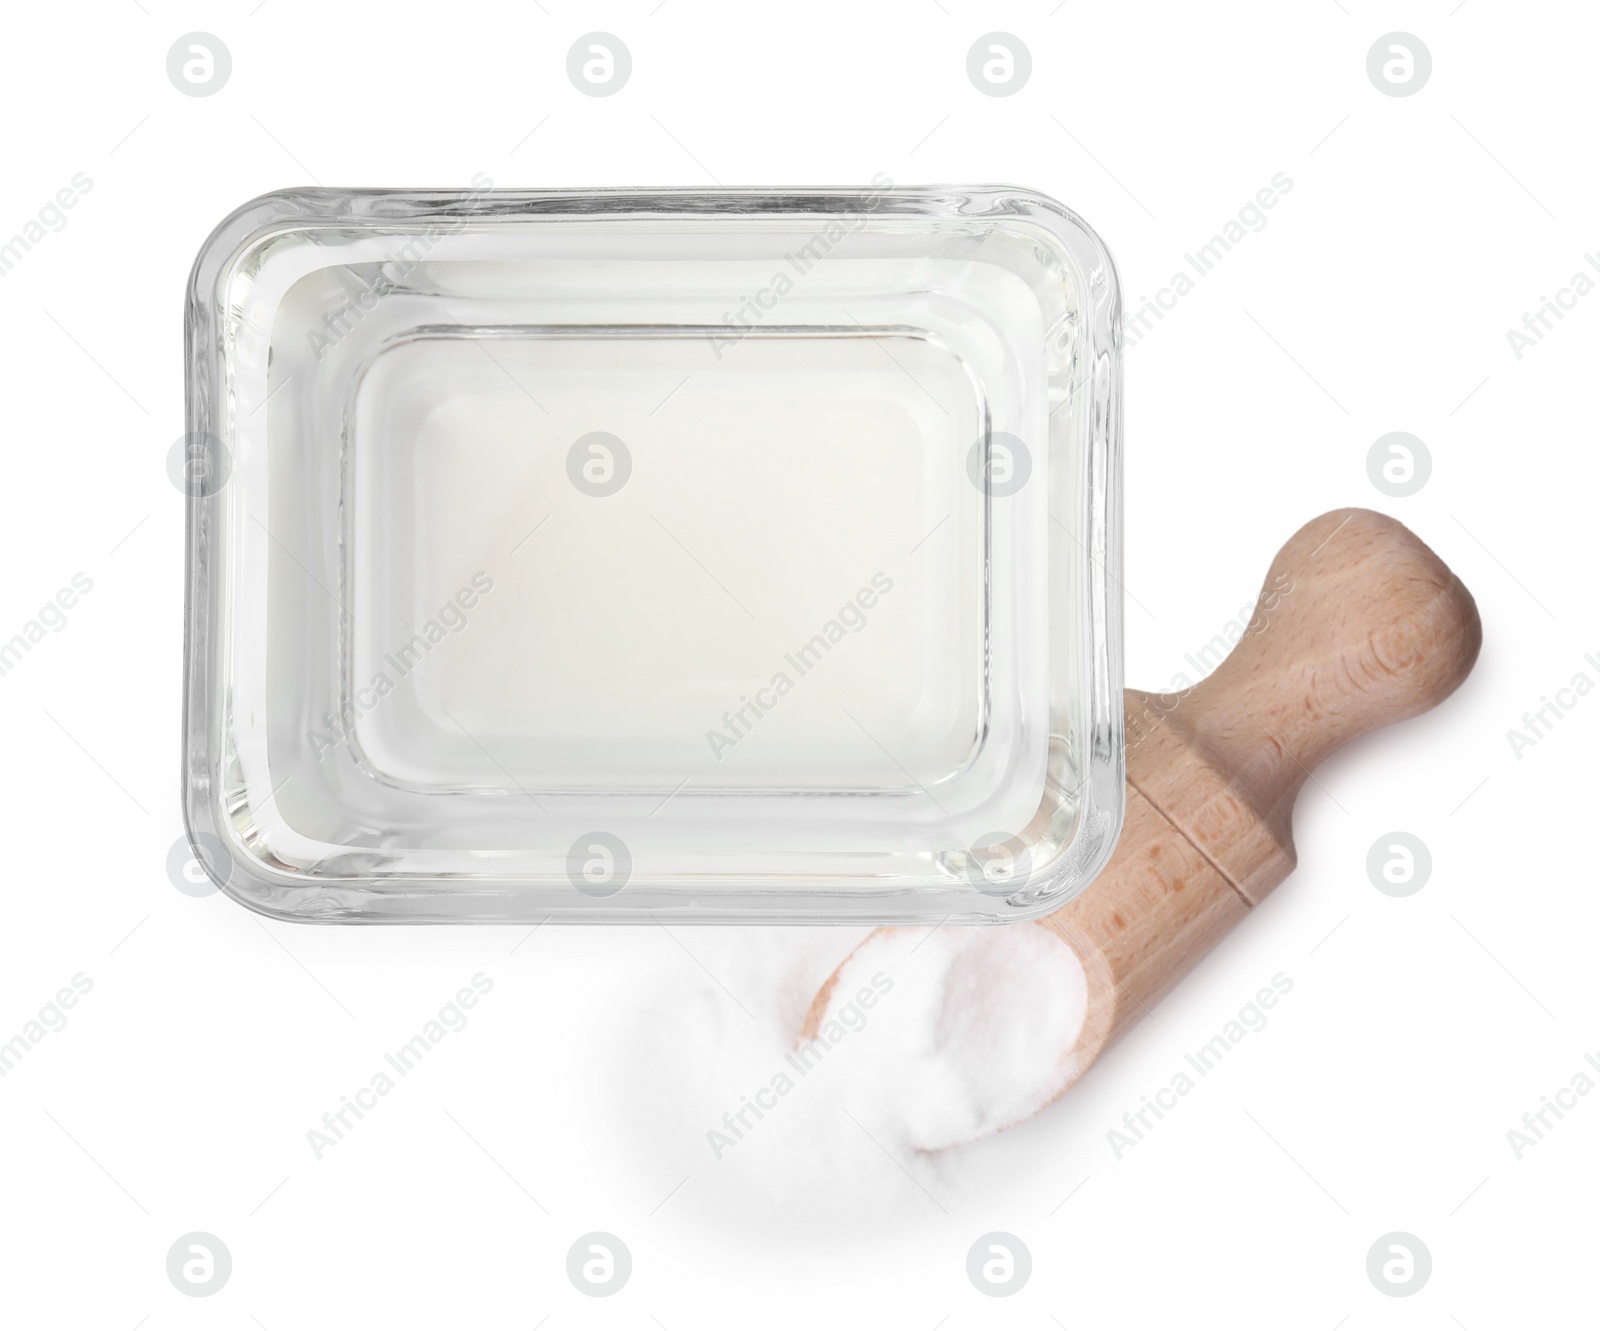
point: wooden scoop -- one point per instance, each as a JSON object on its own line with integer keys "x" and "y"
{"x": 1359, "y": 625}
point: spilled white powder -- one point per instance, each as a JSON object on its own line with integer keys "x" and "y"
{"x": 970, "y": 1030}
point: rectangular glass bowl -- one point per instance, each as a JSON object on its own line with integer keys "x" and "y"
{"x": 617, "y": 555}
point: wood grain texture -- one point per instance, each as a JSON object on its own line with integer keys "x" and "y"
{"x": 1359, "y": 625}
{"x": 1164, "y": 908}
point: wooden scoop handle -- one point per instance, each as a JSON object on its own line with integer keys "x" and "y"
{"x": 1359, "y": 625}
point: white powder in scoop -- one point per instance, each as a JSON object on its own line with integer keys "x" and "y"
{"x": 969, "y": 1031}
{"x": 976, "y": 1033}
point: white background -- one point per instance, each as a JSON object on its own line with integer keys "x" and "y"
{"x": 1418, "y": 1030}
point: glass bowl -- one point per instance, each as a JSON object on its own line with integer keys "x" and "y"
{"x": 617, "y": 555}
